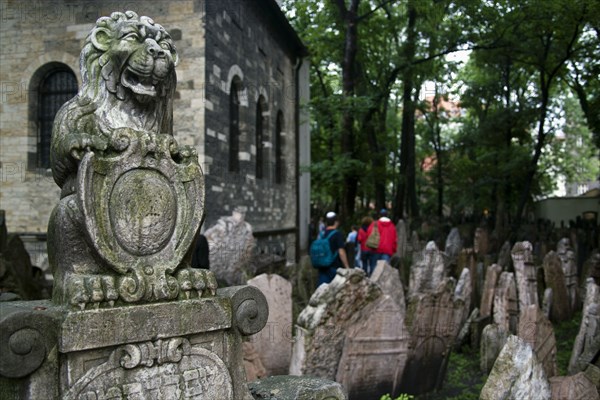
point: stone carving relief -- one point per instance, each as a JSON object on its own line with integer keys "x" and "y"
{"x": 165, "y": 369}
{"x": 132, "y": 199}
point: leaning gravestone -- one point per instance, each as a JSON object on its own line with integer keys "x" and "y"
{"x": 591, "y": 269}
{"x": 231, "y": 246}
{"x": 560, "y": 306}
{"x": 489, "y": 288}
{"x": 493, "y": 339}
{"x": 516, "y": 375}
{"x": 504, "y": 258}
{"x": 525, "y": 273}
{"x": 388, "y": 279}
{"x": 569, "y": 267}
{"x": 537, "y": 331}
{"x": 587, "y": 342}
{"x": 506, "y": 310}
{"x": 353, "y": 333}
{"x": 274, "y": 343}
{"x": 129, "y": 318}
{"x": 428, "y": 271}
{"x": 575, "y": 387}
{"x": 433, "y": 318}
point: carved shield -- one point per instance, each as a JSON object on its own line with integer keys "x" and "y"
{"x": 141, "y": 206}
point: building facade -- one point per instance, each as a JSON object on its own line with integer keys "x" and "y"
{"x": 241, "y": 82}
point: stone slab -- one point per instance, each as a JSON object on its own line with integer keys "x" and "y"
{"x": 92, "y": 329}
{"x": 274, "y": 343}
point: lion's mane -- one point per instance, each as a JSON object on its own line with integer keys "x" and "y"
{"x": 103, "y": 62}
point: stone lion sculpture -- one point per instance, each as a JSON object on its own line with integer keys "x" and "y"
{"x": 131, "y": 197}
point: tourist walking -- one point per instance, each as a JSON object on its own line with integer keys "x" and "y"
{"x": 388, "y": 240}
{"x": 327, "y": 252}
{"x": 365, "y": 252}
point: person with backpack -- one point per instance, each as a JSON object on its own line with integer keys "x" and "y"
{"x": 327, "y": 253}
{"x": 382, "y": 239}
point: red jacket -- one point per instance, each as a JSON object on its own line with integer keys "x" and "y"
{"x": 388, "y": 242}
{"x": 362, "y": 239}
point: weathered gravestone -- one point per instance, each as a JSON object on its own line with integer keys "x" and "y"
{"x": 453, "y": 244}
{"x": 428, "y": 271}
{"x": 504, "y": 258}
{"x": 591, "y": 269}
{"x": 575, "y": 387}
{"x": 537, "y": 331}
{"x": 433, "y": 318}
{"x": 353, "y": 333}
{"x": 569, "y": 267}
{"x": 231, "y": 247}
{"x": 402, "y": 235}
{"x": 388, "y": 279}
{"x": 516, "y": 375}
{"x": 560, "y": 305}
{"x": 493, "y": 339}
{"x": 489, "y": 288}
{"x": 274, "y": 343}
{"x": 481, "y": 242}
{"x": 587, "y": 343}
{"x": 526, "y": 274}
{"x": 506, "y": 310}
{"x": 129, "y": 317}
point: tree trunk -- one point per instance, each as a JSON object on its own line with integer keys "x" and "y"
{"x": 406, "y": 183}
{"x": 350, "y": 19}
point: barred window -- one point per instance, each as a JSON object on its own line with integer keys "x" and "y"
{"x": 55, "y": 89}
{"x": 261, "y": 110}
{"x": 279, "y": 143}
{"x": 234, "y": 125}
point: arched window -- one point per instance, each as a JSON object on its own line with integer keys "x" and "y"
{"x": 234, "y": 124}
{"x": 57, "y": 87}
{"x": 261, "y": 110}
{"x": 279, "y": 142}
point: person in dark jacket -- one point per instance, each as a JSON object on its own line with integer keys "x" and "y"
{"x": 336, "y": 243}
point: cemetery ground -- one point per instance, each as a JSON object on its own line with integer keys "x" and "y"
{"x": 464, "y": 379}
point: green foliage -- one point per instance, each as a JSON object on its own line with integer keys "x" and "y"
{"x": 402, "y": 396}
{"x": 528, "y": 95}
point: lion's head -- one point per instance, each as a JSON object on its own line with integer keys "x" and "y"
{"x": 133, "y": 58}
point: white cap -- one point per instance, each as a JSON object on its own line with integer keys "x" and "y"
{"x": 330, "y": 214}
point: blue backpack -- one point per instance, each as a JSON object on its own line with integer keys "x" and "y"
{"x": 320, "y": 251}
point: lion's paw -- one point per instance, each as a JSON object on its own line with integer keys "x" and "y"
{"x": 196, "y": 283}
{"x": 90, "y": 291}
{"x": 77, "y": 144}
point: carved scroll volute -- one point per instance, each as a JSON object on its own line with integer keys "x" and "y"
{"x": 249, "y": 306}
{"x": 28, "y": 336}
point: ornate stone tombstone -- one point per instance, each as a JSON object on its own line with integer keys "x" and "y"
{"x": 129, "y": 317}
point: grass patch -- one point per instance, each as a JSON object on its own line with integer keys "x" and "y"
{"x": 464, "y": 380}
{"x": 565, "y": 333}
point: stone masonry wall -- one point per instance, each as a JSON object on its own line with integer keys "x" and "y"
{"x": 242, "y": 42}
{"x": 33, "y": 34}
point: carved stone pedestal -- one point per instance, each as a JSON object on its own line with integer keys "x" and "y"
{"x": 188, "y": 349}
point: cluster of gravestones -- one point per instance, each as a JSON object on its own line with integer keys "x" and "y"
{"x": 379, "y": 335}
{"x": 518, "y": 346}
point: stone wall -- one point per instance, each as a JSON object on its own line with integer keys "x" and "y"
{"x": 35, "y": 34}
{"x": 242, "y": 41}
